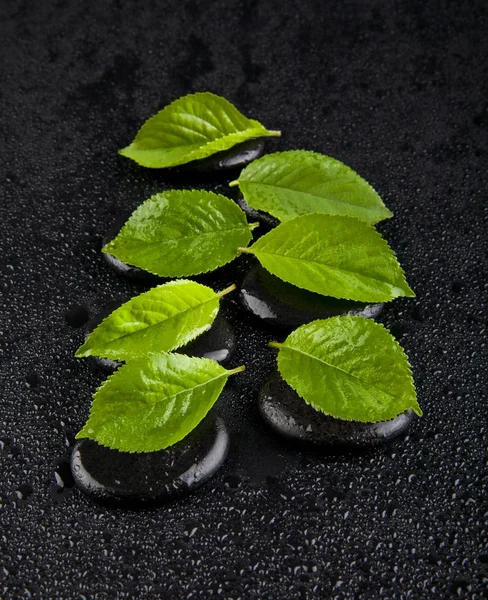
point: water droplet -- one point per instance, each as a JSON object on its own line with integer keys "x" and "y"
{"x": 24, "y": 491}
{"x": 280, "y": 303}
{"x": 144, "y": 479}
{"x": 285, "y": 412}
{"x": 32, "y": 379}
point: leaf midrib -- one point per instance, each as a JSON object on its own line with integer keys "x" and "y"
{"x": 191, "y": 236}
{"x": 283, "y": 187}
{"x": 311, "y": 356}
{"x": 163, "y": 321}
{"x": 316, "y": 262}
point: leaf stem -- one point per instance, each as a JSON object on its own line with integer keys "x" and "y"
{"x": 234, "y": 183}
{"x": 245, "y": 250}
{"x": 227, "y": 290}
{"x": 253, "y": 226}
{"x": 274, "y": 133}
{"x": 275, "y": 345}
{"x": 237, "y": 370}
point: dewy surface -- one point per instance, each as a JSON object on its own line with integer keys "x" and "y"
{"x": 397, "y": 94}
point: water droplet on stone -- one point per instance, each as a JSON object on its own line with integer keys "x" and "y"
{"x": 279, "y": 303}
{"x": 287, "y": 414}
{"x": 150, "y": 478}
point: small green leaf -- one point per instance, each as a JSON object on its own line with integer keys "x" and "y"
{"x": 334, "y": 256}
{"x": 162, "y": 319}
{"x": 298, "y": 182}
{"x": 350, "y": 368}
{"x": 182, "y": 232}
{"x": 190, "y": 128}
{"x": 154, "y": 402}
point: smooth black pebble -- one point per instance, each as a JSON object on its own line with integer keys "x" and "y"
{"x": 218, "y": 343}
{"x": 238, "y": 156}
{"x": 287, "y": 414}
{"x": 134, "y": 273}
{"x": 136, "y": 480}
{"x": 258, "y": 216}
{"x": 284, "y": 305}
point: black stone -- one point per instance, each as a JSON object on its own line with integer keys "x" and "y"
{"x": 258, "y": 216}
{"x": 218, "y": 343}
{"x": 287, "y": 414}
{"x": 131, "y": 272}
{"x": 137, "y": 480}
{"x": 236, "y": 157}
{"x": 281, "y": 304}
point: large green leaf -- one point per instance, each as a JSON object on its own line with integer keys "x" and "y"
{"x": 334, "y": 256}
{"x": 190, "y": 128}
{"x": 350, "y": 368}
{"x": 162, "y": 319}
{"x": 182, "y": 232}
{"x": 297, "y": 182}
{"x": 153, "y": 402}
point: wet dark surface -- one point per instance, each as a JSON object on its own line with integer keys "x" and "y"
{"x": 236, "y": 157}
{"x": 396, "y": 91}
{"x": 288, "y": 415}
{"x": 281, "y": 304}
{"x": 138, "y": 480}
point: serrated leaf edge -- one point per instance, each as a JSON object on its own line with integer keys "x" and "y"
{"x": 113, "y": 356}
{"x": 249, "y": 250}
{"x": 407, "y": 366}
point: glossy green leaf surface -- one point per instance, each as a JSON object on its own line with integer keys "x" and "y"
{"x": 190, "y": 128}
{"x": 297, "y": 182}
{"x": 350, "y": 368}
{"x": 162, "y": 319}
{"x": 153, "y": 402}
{"x": 333, "y": 255}
{"x": 182, "y": 232}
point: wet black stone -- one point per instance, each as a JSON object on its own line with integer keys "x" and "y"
{"x": 218, "y": 343}
{"x": 24, "y": 491}
{"x": 134, "y": 273}
{"x": 77, "y": 316}
{"x": 257, "y": 216}
{"x": 281, "y": 304}
{"x": 238, "y": 156}
{"x": 287, "y": 414}
{"x": 147, "y": 479}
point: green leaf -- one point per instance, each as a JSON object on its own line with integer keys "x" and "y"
{"x": 154, "y": 402}
{"x": 190, "y": 128}
{"x": 182, "y": 232}
{"x": 298, "y": 182}
{"x": 334, "y": 256}
{"x": 162, "y": 319}
{"x": 350, "y": 368}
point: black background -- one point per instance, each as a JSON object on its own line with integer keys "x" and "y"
{"x": 396, "y": 90}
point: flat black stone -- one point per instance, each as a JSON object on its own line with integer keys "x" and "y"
{"x": 218, "y": 343}
{"x": 287, "y": 414}
{"x": 238, "y": 156}
{"x": 131, "y": 272}
{"x": 284, "y": 305}
{"x": 136, "y": 480}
